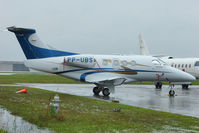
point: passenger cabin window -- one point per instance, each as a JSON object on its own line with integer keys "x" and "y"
{"x": 116, "y": 63}
{"x": 196, "y": 63}
{"x": 133, "y": 63}
{"x": 189, "y": 65}
{"x": 172, "y": 65}
{"x": 186, "y": 66}
{"x": 182, "y": 65}
{"x": 178, "y": 65}
{"x": 124, "y": 63}
{"x": 105, "y": 63}
{"x": 175, "y": 65}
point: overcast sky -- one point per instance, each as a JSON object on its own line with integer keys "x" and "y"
{"x": 169, "y": 27}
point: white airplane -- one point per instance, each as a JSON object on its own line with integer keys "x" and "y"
{"x": 189, "y": 65}
{"x": 105, "y": 71}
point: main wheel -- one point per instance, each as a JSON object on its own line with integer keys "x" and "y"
{"x": 106, "y": 92}
{"x": 185, "y": 86}
{"x": 96, "y": 90}
{"x": 171, "y": 92}
{"x": 158, "y": 85}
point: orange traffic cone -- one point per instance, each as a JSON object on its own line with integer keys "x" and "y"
{"x": 22, "y": 91}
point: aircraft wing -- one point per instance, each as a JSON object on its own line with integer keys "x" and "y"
{"x": 107, "y": 79}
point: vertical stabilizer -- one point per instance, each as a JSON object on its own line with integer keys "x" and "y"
{"x": 143, "y": 47}
{"x": 32, "y": 46}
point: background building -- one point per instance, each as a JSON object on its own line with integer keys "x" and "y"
{"x": 13, "y": 66}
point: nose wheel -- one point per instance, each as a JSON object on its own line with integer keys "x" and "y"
{"x": 171, "y": 92}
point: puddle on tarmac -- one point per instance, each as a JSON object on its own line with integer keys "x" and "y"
{"x": 15, "y": 124}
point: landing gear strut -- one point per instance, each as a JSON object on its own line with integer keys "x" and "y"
{"x": 158, "y": 85}
{"x": 171, "y": 92}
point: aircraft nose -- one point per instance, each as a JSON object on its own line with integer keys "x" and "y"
{"x": 180, "y": 76}
{"x": 187, "y": 77}
{"x": 191, "y": 77}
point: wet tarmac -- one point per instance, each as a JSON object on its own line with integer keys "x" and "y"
{"x": 186, "y": 102}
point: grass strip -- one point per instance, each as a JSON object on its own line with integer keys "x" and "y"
{"x": 35, "y": 78}
{"x": 80, "y": 114}
{"x": 3, "y": 131}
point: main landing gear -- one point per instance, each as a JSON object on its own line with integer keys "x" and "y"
{"x": 97, "y": 90}
{"x": 185, "y": 86}
{"x": 158, "y": 85}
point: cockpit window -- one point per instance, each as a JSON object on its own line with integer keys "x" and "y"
{"x": 158, "y": 62}
{"x": 162, "y": 62}
{"x": 196, "y": 63}
{"x": 155, "y": 62}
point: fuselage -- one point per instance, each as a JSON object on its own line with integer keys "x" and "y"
{"x": 105, "y": 71}
{"x": 189, "y": 65}
{"x": 133, "y": 68}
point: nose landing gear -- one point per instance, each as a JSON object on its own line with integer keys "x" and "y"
{"x": 171, "y": 92}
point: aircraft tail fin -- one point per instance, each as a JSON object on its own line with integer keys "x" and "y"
{"x": 31, "y": 45}
{"x": 143, "y": 47}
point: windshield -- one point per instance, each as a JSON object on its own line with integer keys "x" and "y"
{"x": 162, "y": 62}
{"x": 158, "y": 62}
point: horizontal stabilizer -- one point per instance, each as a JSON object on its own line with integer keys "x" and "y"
{"x": 20, "y": 30}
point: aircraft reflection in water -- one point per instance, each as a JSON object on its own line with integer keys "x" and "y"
{"x": 105, "y": 71}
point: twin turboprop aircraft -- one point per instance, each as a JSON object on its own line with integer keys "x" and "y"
{"x": 105, "y": 71}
